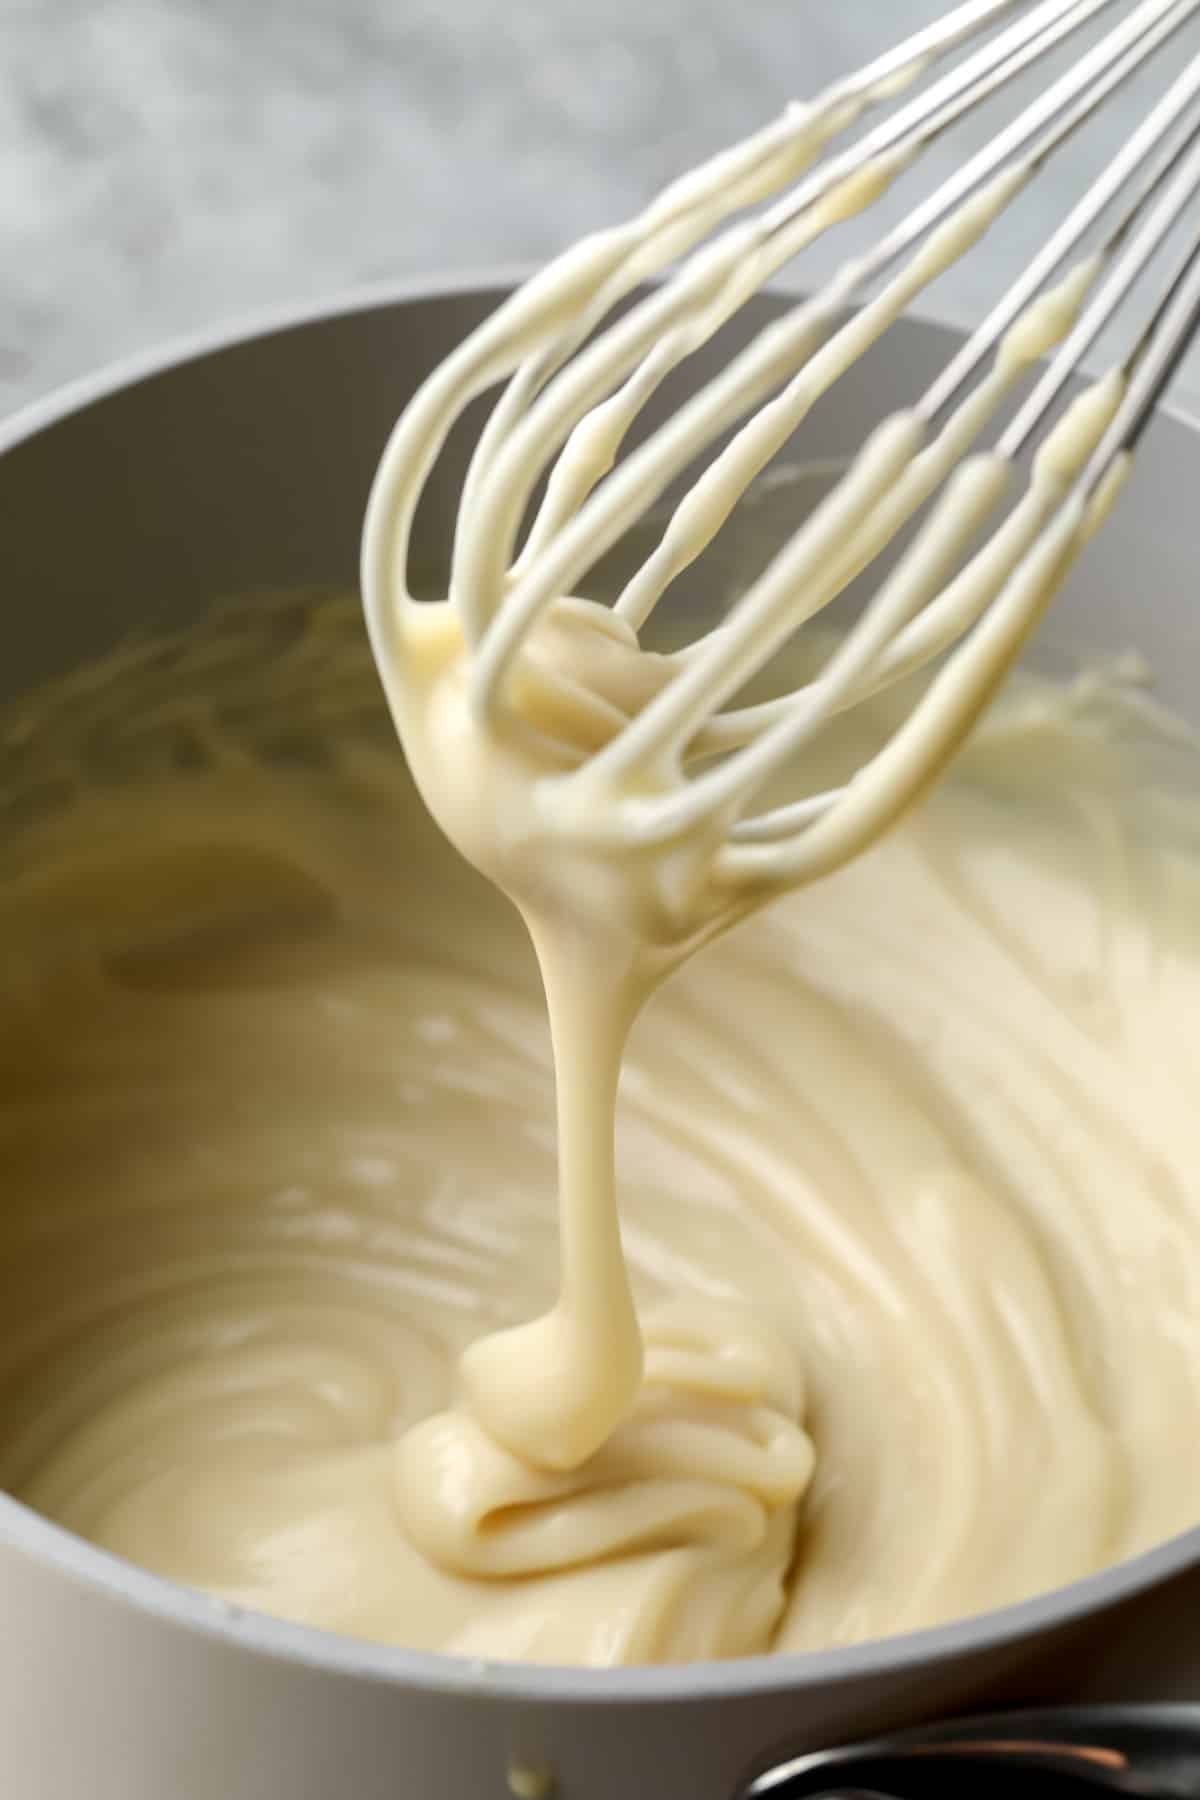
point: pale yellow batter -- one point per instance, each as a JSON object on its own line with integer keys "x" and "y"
{"x": 905, "y": 1171}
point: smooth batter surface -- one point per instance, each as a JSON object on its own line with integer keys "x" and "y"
{"x": 905, "y": 1166}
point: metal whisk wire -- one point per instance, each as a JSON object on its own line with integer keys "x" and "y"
{"x": 580, "y": 379}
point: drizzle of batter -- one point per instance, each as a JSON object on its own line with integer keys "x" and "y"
{"x": 550, "y": 747}
{"x": 904, "y": 1165}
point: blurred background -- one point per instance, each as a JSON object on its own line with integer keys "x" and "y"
{"x": 166, "y": 164}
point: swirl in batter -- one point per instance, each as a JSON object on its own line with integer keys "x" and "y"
{"x": 905, "y": 1169}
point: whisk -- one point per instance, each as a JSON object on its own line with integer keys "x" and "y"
{"x": 552, "y": 485}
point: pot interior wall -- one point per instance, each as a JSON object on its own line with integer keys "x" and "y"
{"x": 247, "y": 468}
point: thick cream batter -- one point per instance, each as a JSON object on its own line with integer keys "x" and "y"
{"x": 904, "y": 1167}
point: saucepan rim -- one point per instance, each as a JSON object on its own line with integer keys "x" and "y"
{"x": 28, "y": 1533}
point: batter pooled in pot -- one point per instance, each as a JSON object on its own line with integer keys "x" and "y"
{"x": 904, "y": 1163}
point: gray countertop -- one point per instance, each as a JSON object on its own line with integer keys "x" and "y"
{"x": 168, "y": 163}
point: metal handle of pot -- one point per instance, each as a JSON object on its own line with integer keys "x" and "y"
{"x": 1054, "y": 1753}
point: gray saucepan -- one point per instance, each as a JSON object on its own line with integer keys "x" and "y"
{"x": 241, "y": 463}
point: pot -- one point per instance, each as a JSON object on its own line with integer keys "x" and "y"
{"x": 242, "y": 462}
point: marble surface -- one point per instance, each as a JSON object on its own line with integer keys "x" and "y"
{"x": 165, "y": 164}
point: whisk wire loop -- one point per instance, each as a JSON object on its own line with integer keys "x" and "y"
{"x": 583, "y": 348}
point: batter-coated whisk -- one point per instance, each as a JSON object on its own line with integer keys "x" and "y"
{"x": 552, "y": 486}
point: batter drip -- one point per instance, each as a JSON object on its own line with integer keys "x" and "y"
{"x": 905, "y": 1176}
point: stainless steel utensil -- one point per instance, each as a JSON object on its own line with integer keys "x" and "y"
{"x": 979, "y": 572}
